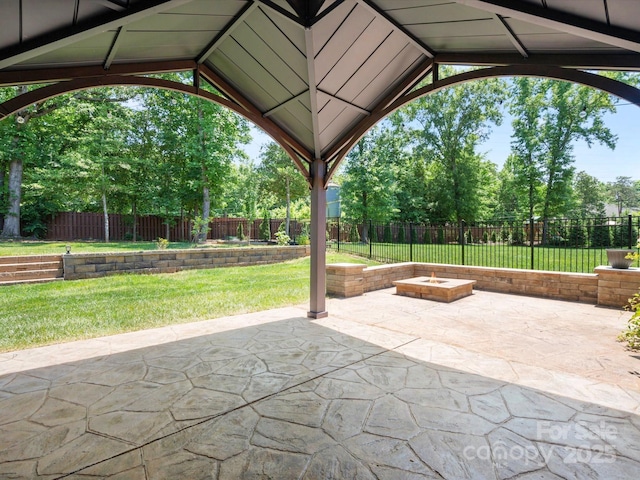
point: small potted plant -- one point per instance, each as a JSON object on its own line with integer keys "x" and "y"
{"x": 622, "y": 257}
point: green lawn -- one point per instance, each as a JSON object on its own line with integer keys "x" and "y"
{"x": 43, "y": 248}
{"x": 40, "y": 314}
{"x": 579, "y": 260}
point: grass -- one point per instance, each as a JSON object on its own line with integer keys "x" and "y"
{"x": 558, "y": 259}
{"x": 22, "y": 247}
{"x": 41, "y": 314}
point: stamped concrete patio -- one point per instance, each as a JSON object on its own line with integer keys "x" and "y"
{"x": 389, "y": 387}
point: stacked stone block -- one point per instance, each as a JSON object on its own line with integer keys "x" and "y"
{"x": 617, "y": 286}
{"x": 94, "y": 265}
{"x": 345, "y": 279}
{"x": 607, "y": 286}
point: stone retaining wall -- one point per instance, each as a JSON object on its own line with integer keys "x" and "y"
{"x": 93, "y": 265}
{"x": 607, "y": 286}
{"x": 616, "y": 286}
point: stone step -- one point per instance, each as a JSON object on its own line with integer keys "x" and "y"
{"x": 23, "y": 267}
{"x": 12, "y": 259}
{"x": 47, "y": 273}
{"x": 33, "y": 280}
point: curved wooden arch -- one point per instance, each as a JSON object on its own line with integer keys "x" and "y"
{"x": 292, "y": 147}
{"x": 614, "y": 87}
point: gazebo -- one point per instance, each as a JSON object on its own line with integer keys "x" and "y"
{"x": 315, "y": 75}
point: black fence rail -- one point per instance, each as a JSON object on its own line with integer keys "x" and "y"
{"x": 569, "y": 245}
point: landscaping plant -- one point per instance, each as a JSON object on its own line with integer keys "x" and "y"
{"x": 162, "y": 243}
{"x": 632, "y": 334}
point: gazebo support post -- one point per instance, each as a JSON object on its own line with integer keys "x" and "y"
{"x": 318, "y": 240}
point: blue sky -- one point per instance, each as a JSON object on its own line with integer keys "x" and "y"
{"x": 598, "y": 160}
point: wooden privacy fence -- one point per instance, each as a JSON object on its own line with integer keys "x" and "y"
{"x": 90, "y": 226}
{"x": 69, "y": 226}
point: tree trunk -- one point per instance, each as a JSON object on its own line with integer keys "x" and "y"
{"x": 134, "y": 212}
{"x": 206, "y": 197}
{"x": 365, "y": 231}
{"x": 106, "y": 217}
{"x": 288, "y": 219}
{"x": 365, "y": 218}
{"x": 3, "y": 169}
{"x": 206, "y": 213}
{"x": 11, "y": 227}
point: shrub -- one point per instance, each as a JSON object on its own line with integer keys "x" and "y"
{"x": 283, "y": 239}
{"x": 441, "y": 237}
{"x": 600, "y": 235}
{"x": 265, "y": 227}
{"x": 557, "y": 241}
{"x": 240, "y": 231}
{"x": 401, "y": 235}
{"x": 354, "y": 236}
{"x": 517, "y": 236}
{"x": 162, "y": 243}
{"x": 577, "y": 235}
{"x": 414, "y": 235}
{"x": 304, "y": 237}
{"x": 388, "y": 237}
{"x": 632, "y": 334}
{"x": 427, "y": 236}
{"x": 494, "y": 237}
{"x": 621, "y": 234}
{"x": 469, "y": 236}
{"x": 199, "y": 229}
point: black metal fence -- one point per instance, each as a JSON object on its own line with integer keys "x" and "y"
{"x": 569, "y": 245}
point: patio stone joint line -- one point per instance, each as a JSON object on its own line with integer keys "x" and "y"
{"x": 248, "y": 404}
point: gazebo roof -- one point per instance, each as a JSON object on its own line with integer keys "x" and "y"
{"x": 309, "y": 72}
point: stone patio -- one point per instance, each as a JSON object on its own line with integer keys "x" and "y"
{"x": 387, "y": 387}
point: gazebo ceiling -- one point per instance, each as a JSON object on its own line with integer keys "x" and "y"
{"x": 312, "y": 70}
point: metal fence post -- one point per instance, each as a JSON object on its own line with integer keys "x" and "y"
{"x": 462, "y": 239}
{"x": 630, "y": 231}
{"x": 411, "y": 241}
{"x": 370, "y": 242}
{"x": 531, "y": 238}
{"x": 338, "y": 234}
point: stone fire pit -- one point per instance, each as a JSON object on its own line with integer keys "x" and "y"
{"x": 432, "y": 288}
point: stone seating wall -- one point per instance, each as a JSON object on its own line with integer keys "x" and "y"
{"x": 607, "y": 286}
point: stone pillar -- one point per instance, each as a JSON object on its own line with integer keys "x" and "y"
{"x": 318, "y": 241}
{"x": 345, "y": 279}
{"x": 616, "y": 285}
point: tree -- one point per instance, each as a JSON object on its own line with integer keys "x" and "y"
{"x": 105, "y": 159}
{"x": 623, "y": 192}
{"x": 243, "y": 189}
{"x": 526, "y": 161}
{"x": 18, "y": 149}
{"x": 452, "y": 123}
{"x": 367, "y": 192}
{"x": 572, "y": 113}
{"x": 279, "y": 177}
{"x": 265, "y": 227}
{"x": 43, "y": 136}
{"x": 549, "y": 117}
{"x": 197, "y": 142}
{"x": 589, "y": 193}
